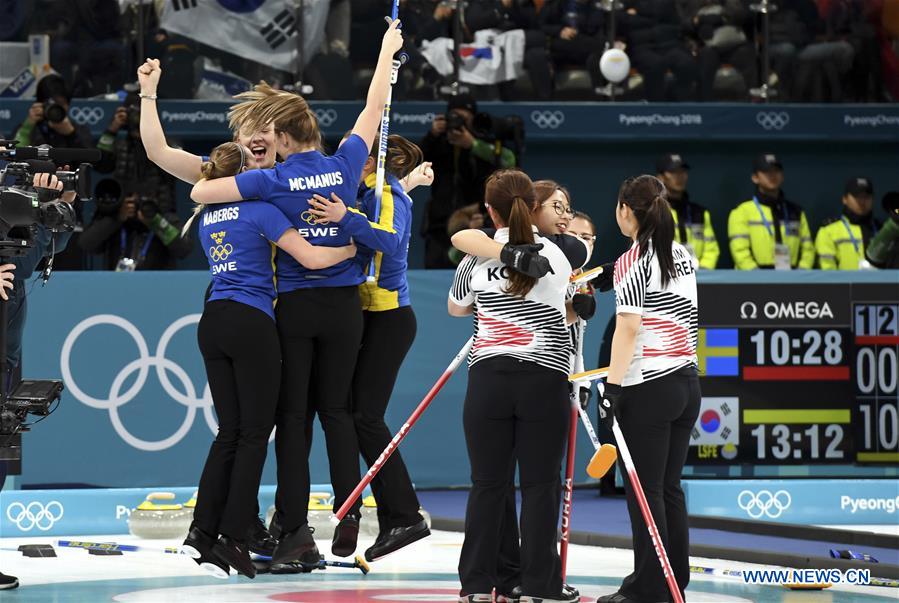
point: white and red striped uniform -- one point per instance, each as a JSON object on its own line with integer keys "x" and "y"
{"x": 530, "y": 328}
{"x": 667, "y": 337}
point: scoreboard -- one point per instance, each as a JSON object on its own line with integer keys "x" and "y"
{"x": 798, "y": 373}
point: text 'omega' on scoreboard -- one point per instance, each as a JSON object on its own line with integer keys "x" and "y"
{"x": 798, "y": 374}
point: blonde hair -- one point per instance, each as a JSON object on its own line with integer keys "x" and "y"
{"x": 286, "y": 111}
{"x": 239, "y": 113}
{"x": 227, "y": 159}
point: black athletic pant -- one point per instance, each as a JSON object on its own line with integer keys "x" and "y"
{"x": 320, "y": 331}
{"x": 656, "y": 419}
{"x": 386, "y": 340}
{"x": 514, "y": 410}
{"x": 240, "y": 348}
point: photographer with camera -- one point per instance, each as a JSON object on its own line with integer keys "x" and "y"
{"x": 135, "y": 226}
{"x": 465, "y": 147}
{"x": 48, "y": 119}
{"x": 132, "y": 232}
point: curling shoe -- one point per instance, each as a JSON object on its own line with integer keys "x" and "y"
{"x": 292, "y": 545}
{"x": 198, "y": 543}
{"x": 8, "y": 582}
{"x": 259, "y": 540}
{"x": 236, "y": 554}
{"x": 616, "y": 598}
{"x": 476, "y": 598}
{"x": 566, "y": 596}
{"x": 396, "y": 538}
{"x": 345, "y": 536}
{"x": 567, "y": 590}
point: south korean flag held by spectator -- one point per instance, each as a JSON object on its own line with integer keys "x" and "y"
{"x": 264, "y": 31}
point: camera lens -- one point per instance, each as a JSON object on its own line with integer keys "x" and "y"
{"x": 54, "y": 113}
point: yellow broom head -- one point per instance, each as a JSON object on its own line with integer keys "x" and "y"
{"x": 602, "y": 461}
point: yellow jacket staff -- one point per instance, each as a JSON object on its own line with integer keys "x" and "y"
{"x": 750, "y": 228}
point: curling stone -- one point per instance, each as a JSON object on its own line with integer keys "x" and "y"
{"x": 160, "y": 520}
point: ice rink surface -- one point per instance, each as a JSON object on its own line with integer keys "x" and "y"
{"x": 423, "y": 572}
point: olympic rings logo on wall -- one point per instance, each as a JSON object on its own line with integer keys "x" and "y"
{"x": 186, "y": 395}
{"x": 764, "y": 503}
{"x": 547, "y": 119}
{"x": 87, "y": 115}
{"x": 773, "y": 120}
{"x": 220, "y": 252}
{"x": 326, "y": 117}
{"x": 35, "y": 515}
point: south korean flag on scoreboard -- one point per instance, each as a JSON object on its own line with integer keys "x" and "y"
{"x": 264, "y": 31}
{"x": 718, "y": 423}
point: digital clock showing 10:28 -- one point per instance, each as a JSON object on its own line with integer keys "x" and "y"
{"x": 782, "y": 385}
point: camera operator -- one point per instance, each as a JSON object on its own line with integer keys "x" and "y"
{"x": 13, "y": 274}
{"x": 133, "y": 233}
{"x": 48, "y": 119}
{"x": 463, "y": 155}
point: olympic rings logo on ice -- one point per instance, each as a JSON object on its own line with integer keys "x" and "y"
{"x": 773, "y": 120}
{"x": 326, "y": 117}
{"x": 186, "y": 396}
{"x": 548, "y": 119}
{"x": 35, "y": 515}
{"x": 764, "y": 503}
{"x": 87, "y": 115}
{"x": 220, "y": 252}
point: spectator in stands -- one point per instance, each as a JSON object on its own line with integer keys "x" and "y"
{"x": 718, "y": 28}
{"x": 558, "y": 33}
{"x": 849, "y": 21}
{"x": 655, "y": 44}
{"x": 803, "y": 52}
{"x": 841, "y": 242}
{"x": 462, "y": 160}
{"x": 768, "y": 231}
{"x": 692, "y": 221}
{"x": 526, "y": 15}
{"x": 48, "y": 120}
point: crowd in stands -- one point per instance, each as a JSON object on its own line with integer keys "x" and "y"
{"x": 679, "y": 50}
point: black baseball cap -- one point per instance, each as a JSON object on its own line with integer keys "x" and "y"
{"x": 462, "y": 101}
{"x": 671, "y": 162}
{"x": 860, "y": 186}
{"x": 766, "y": 162}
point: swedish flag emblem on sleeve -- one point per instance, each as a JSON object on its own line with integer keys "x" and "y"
{"x": 718, "y": 353}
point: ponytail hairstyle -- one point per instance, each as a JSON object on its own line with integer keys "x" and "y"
{"x": 402, "y": 156}
{"x": 286, "y": 111}
{"x": 648, "y": 199}
{"x": 511, "y": 195}
{"x": 227, "y": 159}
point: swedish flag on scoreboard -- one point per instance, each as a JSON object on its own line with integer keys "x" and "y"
{"x": 718, "y": 353}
